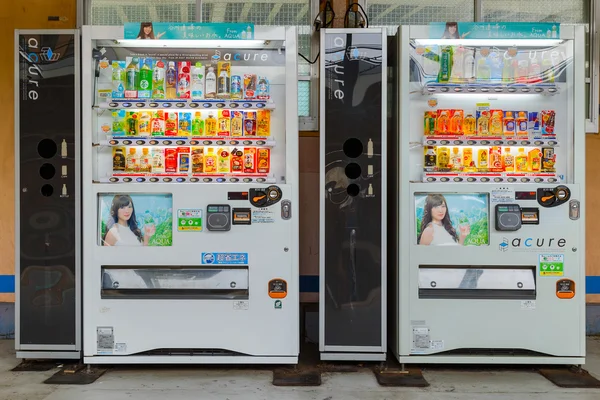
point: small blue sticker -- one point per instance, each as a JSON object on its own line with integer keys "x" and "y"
{"x": 225, "y": 258}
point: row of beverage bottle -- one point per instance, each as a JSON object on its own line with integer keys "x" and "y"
{"x": 148, "y": 78}
{"x": 457, "y": 64}
{"x": 487, "y": 122}
{"x": 492, "y": 159}
{"x": 191, "y": 160}
{"x": 190, "y": 124}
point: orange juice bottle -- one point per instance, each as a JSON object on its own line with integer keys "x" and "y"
{"x": 467, "y": 160}
{"x": 456, "y": 122}
{"x": 496, "y": 122}
{"x": 470, "y": 125}
{"x": 442, "y": 122}
{"x": 495, "y": 159}
{"x": 483, "y": 160}
{"x": 210, "y": 125}
{"x": 521, "y": 161}
{"x": 508, "y": 160}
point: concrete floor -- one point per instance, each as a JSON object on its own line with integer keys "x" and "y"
{"x": 217, "y": 384}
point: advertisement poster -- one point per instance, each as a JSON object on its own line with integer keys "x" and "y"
{"x": 494, "y": 30}
{"x": 452, "y": 219}
{"x": 188, "y": 30}
{"x": 135, "y": 219}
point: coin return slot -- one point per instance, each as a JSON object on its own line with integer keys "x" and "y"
{"x": 242, "y": 216}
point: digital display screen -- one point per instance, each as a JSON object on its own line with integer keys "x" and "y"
{"x": 237, "y": 195}
{"x": 525, "y": 195}
{"x": 452, "y": 219}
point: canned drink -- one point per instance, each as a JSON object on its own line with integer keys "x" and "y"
{"x": 236, "y": 87}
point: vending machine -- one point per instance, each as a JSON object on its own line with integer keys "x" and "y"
{"x": 190, "y": 194}
{"x": 353, "y": 181}
{"x": 490, "y": 188}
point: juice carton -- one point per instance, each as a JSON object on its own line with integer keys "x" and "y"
{"x": 197, "y": 124}
{"x": 534, "y": 122}
{"x": 118, "y": 79}
{"x": 158, "y": 160}
{"x": 237, "y": 123}
{"x": 118, "y": 159}
{"x": 237, "y": 161}
{"x": 185, "y": 124}
{"x": 496, "y": 119}
{"x": 223, "y": 160}
{"x": 210, "y": 161}
{"x": 263, "y": 122}
{"x": 171, "y": 123}
{"x": 131, "y": 123}
{"x": 443, "y": 158}
{"x": 170, "y": 160}
{"x": 548, "y": 159}
{"x": 158, "y": 123}
{"x": 249, "y": 160}
{"x": 210, "y": 125}
{"x": 118, "y": 124}
{"x": 264, "y": 161}
{"x": 495, "y": 159}
{"x": 534, "y": 159}
{"x": 183, "y": 158}
{"x": 548, "y": 118}
{"x": 483, "y": 119}
{"x": 183, "y": 79}
{"x": 250, "y": 83}
{"x": 197, "y": 160}
{"x": 522, "y": 124}
{"x": 224, "y": 123}
{"x": 429, "y": 123}
{"x": 508, "y": 160}
{"x": 482, "y": 160}
{"x": 509, "y": 124}
{"x": 468, "y": 162}
{"x": 443, "y": 122}
{"x": 263, "y": 90}
{"x": 456, "y": 122}
{"x": 470, "y": 125}
{"x": 430, "y": 158}
{"x": 144, "y": 123}
{"x": 249, "y": 123}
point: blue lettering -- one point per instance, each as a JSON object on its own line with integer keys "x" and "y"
{"x": 236, "y": 56}
{"x": 528, "y": 242}
{"x": 31, "y": 55}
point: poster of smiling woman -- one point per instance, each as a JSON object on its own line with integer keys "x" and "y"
{"x": 452, "y": 219}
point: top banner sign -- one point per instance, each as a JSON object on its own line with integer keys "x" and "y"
{"x": 494, "y": 30}
{"x": 188, "y": 30}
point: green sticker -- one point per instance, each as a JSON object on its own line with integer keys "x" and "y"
{"x": 189, "y": 220}
{"x": 552, "y": 264}
{"x": 277, "y": 304}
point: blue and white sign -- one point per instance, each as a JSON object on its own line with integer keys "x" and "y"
{"x": 188, "y": 30}
{"x": 494, "y": 30}
{"x": 224, "y": 258}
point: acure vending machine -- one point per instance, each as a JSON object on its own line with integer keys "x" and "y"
{"x": 190, "y": 196}
{"x": 489, "y": 175}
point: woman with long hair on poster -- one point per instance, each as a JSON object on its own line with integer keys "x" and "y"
{"x": 122, "y": 228}
{"x": 436, "y": 226}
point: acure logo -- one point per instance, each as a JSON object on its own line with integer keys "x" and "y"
{"x": 534, "y": 243}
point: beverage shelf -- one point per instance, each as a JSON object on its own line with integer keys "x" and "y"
{"x": 188, "y": 178}
{"x": 491, "y": 177}
{"x": 186, "y": 104}
{"x": 438, "y": 140}
{"x": 491, "y": 87}
{"x": 187, "y": 141}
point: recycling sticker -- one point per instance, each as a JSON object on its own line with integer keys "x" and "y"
{"x": 189, "y": 220}
{"x": 552, "y": 264}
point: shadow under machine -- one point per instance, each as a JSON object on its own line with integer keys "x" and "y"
{"x": 489, "y": 171}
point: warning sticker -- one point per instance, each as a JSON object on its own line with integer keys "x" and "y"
{"x": 551, "y": 264}
{"x": 421, "y": 341}
{"x": 263, "y": 216}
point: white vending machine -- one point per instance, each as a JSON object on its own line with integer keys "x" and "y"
{"x": 490, "y": 183}
{"x": 190, "y": 196}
